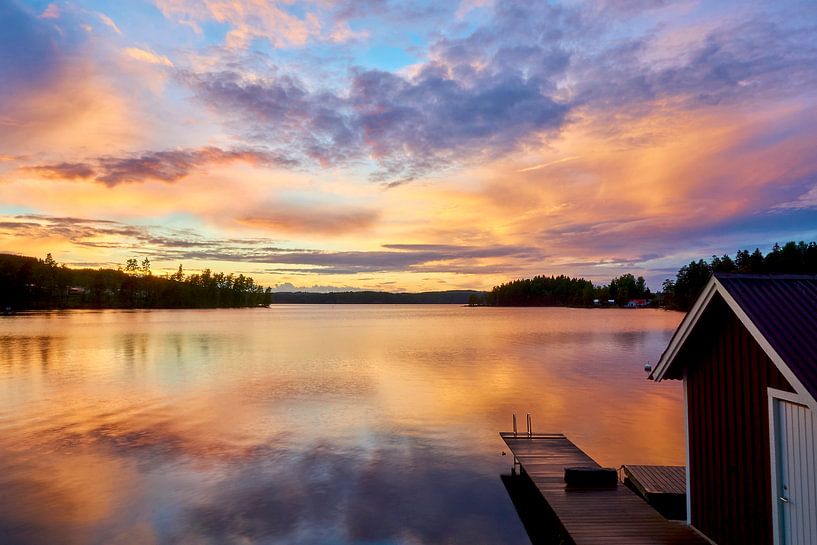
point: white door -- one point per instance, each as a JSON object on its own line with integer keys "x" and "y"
{"x": 796, "y": 461}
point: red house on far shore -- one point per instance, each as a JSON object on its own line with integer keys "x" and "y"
{"x": 637, "y": 303}
{"x": 747, "y": 353}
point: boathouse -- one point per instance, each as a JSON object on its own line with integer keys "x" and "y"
{"x": 747, "y": 355}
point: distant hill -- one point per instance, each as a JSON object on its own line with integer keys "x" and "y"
{"x": 458, "y": 297}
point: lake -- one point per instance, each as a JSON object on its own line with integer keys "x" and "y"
{"x": 310, "y": 424}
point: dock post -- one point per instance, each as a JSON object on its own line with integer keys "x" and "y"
{"x": 530, "y": 430}
{"x": 515, "y": 459}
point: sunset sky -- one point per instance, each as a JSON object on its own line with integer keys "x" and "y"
{"x": 406, "y": 145}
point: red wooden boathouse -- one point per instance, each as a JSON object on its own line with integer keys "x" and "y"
{"x": 747, "y": 353}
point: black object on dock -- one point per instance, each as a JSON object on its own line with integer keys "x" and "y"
{"x": 591, "y": 477}
{"x": 592, "y": 516}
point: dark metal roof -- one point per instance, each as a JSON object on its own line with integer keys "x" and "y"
{"x": 784, "y": 310}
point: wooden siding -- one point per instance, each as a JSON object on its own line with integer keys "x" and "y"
{"x": 727, "y": 377}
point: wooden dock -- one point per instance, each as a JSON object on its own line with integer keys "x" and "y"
{"x": 664, "y": 487}
{"x": 612, "y": 516}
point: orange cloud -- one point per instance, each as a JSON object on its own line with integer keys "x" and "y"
{"x": 147, "y": 56}
{"x": 248, "y": 19}
{"x": 321, "y": 219}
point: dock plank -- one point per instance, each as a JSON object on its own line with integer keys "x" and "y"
{"x": 657, "y": 479}
{"x": 593, "y": 516}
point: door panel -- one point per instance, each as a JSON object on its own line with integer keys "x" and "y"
{"x": 796, "y": 466}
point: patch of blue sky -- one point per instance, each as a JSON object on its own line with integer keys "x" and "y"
{"x": 388, "y": 58}
{"x": 766, "y": 228}
{"x": 213, "y": 32}
{"x": 16, "y": 210}
{"x": 36, "y": 6}
{"x": 175, "y": 220}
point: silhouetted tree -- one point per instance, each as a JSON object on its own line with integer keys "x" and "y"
{"x": 26, "y": 282}
{"x": 791, "y": 258}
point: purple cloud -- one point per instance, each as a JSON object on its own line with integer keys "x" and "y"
{"x": 166, "y": 166}
{"x": 410, "y": 126}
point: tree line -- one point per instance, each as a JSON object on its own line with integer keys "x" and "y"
{"x": 31, "y": 283}
{"x": 566, "y": 291}
{"x": 458, "y": 297}
{"x": 678, "y": 294}
{"x": 791, "y": 258}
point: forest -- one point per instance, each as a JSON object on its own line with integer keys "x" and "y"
{"x": 31, "y": 283}
{"x": 791, "y": 258}
{"x": 566, "y": 291}
{"x": 678, "y": 294}
{"x": 458, "y": 297}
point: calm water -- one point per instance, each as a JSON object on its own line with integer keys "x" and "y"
{"x": 310, "y": 424}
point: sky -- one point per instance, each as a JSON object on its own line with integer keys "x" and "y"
{"x": 406, "y": 146}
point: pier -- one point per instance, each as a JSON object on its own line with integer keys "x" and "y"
{"x": 591, "y": 516}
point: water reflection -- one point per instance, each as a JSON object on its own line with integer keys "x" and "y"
{"x": 536, "y": 515}
{"x": 309, "y": 424}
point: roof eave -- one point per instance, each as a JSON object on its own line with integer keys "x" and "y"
{"x": 686, "y": 326}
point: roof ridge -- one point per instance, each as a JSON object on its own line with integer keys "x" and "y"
{"x": 765, "y": 276}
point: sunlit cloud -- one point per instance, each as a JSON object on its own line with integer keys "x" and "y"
{"x": 249, "y": 20}
{"x": 325, "y": 220}
{"x": 51, "y": 11}
{"x": 549, "y": 163}
{"x": 147, "y": 56}
{"x": 107, "y": 21}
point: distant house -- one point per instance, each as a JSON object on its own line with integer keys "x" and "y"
{"x": 747, "y": 354}
{"x": 637, "y": 303}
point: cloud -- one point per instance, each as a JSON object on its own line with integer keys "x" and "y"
{"x": 464, "y": 259}
{"x": 739, "y": 60}
{"x": 549, "y": 163}
{"x": 390, "y": 10}
{"x": 317, "y": 124}
{"x": 515, "y": 83}
{"x": 67, "y": 171}
{"x": 107, "y": 21}
{"x": 807, "y": 200}
{"x": 279, "y": 23}
{"x": 409, "y": 126}
{"x": 165, "y": 166}
{"x": 315, "y": 288}
{"x": 422, "y": 124}
{"x": 52, "y": 11}
{"x": 147, "y": 56}
{"x": 175, "y": 245}
{"x": 294, "y": 218}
